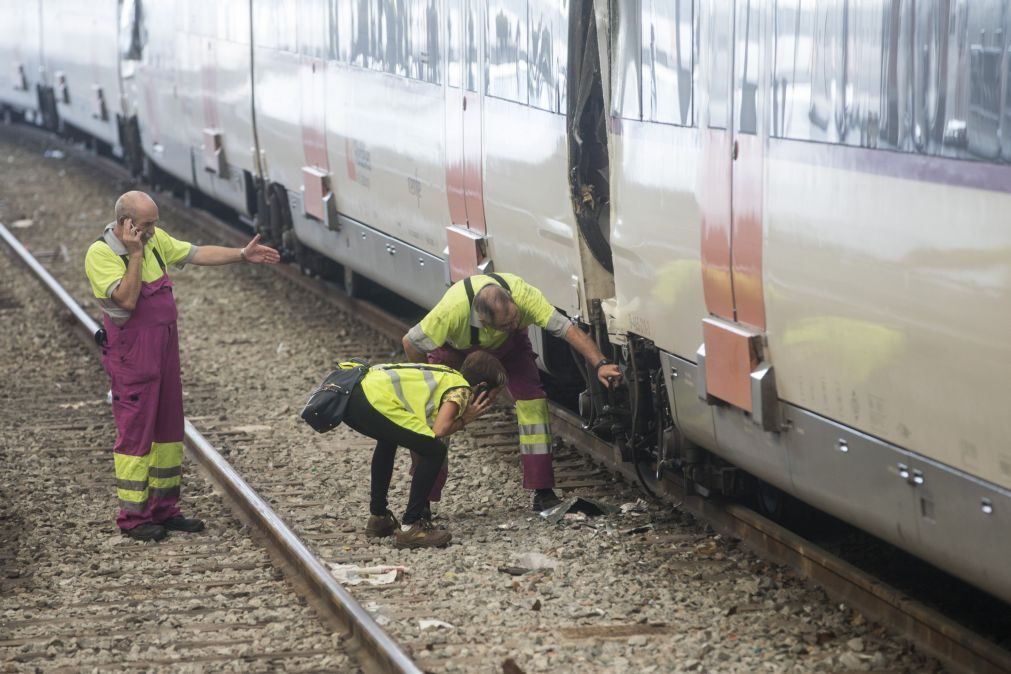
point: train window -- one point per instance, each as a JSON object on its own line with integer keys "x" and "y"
{"x": 913, "y": 77}
{"x": 424, "y": 56}
{"x": 393, "y": 31}
{"x": 454, "y": 38}
{"x": 748, "y": 42}
{"x": 285, "y": 18}
{"x": 548, "y": 53}
{"x": 360, "y": 11}
{"x": 311, "y": 28}
{"x": 720, "y": 28}
{"x": 471, "y": 58}
{"x": 626, "y": 50}
{"x": 343, "y": 27}
{"x": 507, "y": 50}
{"x": 668, "y": 60}
{"x": 131, "y": 31}
{"x": 274, "y": 25}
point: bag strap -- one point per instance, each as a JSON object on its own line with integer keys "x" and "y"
{"x": 126, "y": 258}
{"x": 469, "y": 285}
{"x": 415, "y": 366}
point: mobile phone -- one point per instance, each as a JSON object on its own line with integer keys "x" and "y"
{"x": 481, "y": 388}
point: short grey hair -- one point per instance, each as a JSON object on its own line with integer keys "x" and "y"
{"x": 488, "y": 299}
{"x": 127, "y": 205}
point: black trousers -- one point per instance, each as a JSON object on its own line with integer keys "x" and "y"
{"x": 364, "y": 418}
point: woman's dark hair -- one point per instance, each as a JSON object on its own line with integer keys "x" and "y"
{"x": 480, "y": 367}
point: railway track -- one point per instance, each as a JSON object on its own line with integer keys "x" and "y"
{"x": 78, "y": 596}
{"x": 548, "y": 617}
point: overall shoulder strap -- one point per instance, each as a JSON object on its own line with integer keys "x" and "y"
{"x": 158, "y": 257}
{"x": 126, "y": 258}
{"x": 469, "y": 285}
{"x": 501, "y": 281}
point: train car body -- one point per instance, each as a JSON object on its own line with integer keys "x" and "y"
{"x": 21, "y": 56}
{"x": 419, "y": 171}
{"x": 785, "y": 216}
{"x": 809, "y": 226}
{"x": 193, "y": 88}
{"x": 81, "y": 60}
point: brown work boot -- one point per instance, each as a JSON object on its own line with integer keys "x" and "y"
{"x": 422, "y": 534}
{"x": 380, "y": 526}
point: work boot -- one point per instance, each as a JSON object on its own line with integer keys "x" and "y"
{"x": 180, "y": 523}
{"x": 146, "y": 532}
{"x": 380, "y": 526}
{"x": 545, "y": 499}
{"x": 421, "y": 534}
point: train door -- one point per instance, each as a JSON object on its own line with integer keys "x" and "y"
{"x": 311, "y": 43}
{"x": 464, "y": 161}
{"x": 731, "y": 200}
{"x": 732, "y": 171}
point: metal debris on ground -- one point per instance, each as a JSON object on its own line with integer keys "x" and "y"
{"x": 578, "y": 504}
{"x": 639, "y": 506}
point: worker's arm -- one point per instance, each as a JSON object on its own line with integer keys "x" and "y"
{"x": 128, "y": 291}
{"x": 608, "y": 374}
{"x": 414, "y": 355}
{"x": 254, "y": 252}
{"x": 446, "y": 421}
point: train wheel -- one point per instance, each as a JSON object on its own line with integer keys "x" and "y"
{"x": 783, "y": 508}
{"x": 262, "y": 220}
{"x": 280, "y": 214}
{"x": 151, "y": 174}
{"x": 350, "y": 282}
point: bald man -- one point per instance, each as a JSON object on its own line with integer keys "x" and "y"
{"x": 128, "y": 270}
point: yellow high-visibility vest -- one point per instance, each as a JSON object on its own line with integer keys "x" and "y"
{"x": 409, "y": 394}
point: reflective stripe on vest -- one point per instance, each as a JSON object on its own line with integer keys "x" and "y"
{"x": 408, "y": 394}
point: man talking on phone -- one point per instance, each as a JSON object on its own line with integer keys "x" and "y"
{"x": 128, "y": 270}
{"x": 491, "y": 312}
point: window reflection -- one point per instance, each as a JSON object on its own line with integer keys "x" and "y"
{"x": 507, "y": 50}
{"x": 927, "y": 77}
{"x": 626, "y": 50}
{"x": 720, "y": 51}
{"x": 668, "y": 60}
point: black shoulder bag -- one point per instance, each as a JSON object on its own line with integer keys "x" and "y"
{"x": 329, "y": 402}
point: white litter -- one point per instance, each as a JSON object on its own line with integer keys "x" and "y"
{"x": 53, "y": 154}
{"x": 426, "y": 623}
{"x": 350, "y": 574}
{"x": 535, "y": 560}
{"x": 24, "y": 223}
{"x": 252, "y": 428}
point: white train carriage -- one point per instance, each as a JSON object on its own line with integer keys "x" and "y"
{"x": 21, "y": 72}
{"x": 809, "y": 223}
{"x": 80, "y": 54}
{"x": 378, "y": 119}
{"x": 194, "y": 97}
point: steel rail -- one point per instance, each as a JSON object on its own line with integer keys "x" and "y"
{"x": 378, "y": 651}
{"x": 927, "y": 628}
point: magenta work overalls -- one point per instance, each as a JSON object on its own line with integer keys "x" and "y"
{"x": 142, "y": 360}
